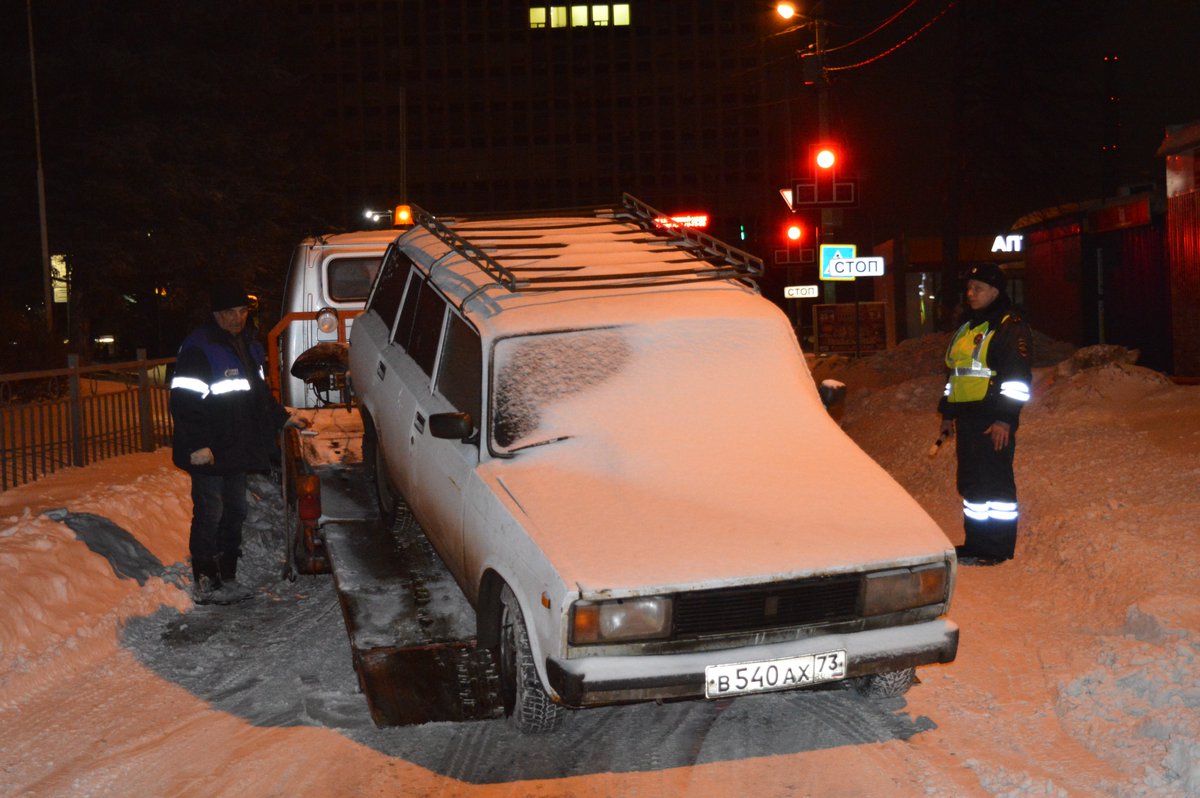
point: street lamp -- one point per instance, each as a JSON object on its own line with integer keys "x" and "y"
{"x": 786, "y": 10}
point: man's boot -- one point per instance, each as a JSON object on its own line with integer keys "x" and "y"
{"x": 206, "y": 580}
{"x": 231, "y": 590}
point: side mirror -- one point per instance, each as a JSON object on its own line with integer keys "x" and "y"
{"x": 832, "y": 392}
{"x": 452, "y": 426}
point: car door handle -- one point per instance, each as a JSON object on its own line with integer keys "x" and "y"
{"x": 419, "y": 423}
{"x": 381, "y": 370}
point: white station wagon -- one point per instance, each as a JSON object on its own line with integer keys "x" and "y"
{"x": 615, "y": 445}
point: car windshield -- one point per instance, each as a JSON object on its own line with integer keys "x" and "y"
{"x": 644, "y": 384}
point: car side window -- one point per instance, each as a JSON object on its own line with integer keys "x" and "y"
{"x": 460, "y": 371}
{"x": 408, "y": 313}
{"x": 420, "y": 327}
{"x": 389, "y": 287}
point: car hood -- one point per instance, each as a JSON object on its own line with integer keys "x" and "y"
{"x": 712, "y": 509}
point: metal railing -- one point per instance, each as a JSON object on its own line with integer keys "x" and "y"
{"x": 85, "y": 414}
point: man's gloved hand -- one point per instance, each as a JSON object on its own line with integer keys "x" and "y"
{"x": 947, "y": 428}
{"x": 202, "y": 457}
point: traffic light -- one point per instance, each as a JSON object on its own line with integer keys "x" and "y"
{"x": 795, "y": 243}
{"x": 828, "y": 183}
{"x": 825, "y": 159}
{"x": 824, "y": 162}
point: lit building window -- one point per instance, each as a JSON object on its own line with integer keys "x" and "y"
{"x": 581, "y": 16}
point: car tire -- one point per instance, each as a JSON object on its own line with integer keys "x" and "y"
{"x": 385, "y": 495}
{"x": 525, "y": 700}
{"x": 885, "y": 685}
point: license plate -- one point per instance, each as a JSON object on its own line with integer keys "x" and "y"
{"x": 740, "y": 678}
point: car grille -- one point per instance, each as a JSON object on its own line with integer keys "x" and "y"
{"x": 743, "y": 609}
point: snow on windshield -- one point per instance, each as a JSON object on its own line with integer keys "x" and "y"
{"x": 644, "y": 380}
{"x": 534, "y": 372}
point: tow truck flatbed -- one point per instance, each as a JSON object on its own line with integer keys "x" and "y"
{"x": 411, "y": 629}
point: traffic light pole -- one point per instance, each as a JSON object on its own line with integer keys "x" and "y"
{"x": 822, "y": 78}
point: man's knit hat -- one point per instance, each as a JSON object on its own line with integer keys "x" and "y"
{"x": 227, "y": 294}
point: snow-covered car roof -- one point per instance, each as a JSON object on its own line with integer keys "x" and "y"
{"x": 590, "y": 268}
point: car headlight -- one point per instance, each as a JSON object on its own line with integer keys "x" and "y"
{"x": 327, "y": 320}
{"x": 617, "y": 620}
{"x": 904, "y": 588}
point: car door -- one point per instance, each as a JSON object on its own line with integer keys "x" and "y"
{"x": 448, "y": 465}
{"x": 379, "y": 365}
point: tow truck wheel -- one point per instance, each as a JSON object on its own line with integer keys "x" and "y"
{"x": 885, "y": 685}
{"x": 525, "y": 701}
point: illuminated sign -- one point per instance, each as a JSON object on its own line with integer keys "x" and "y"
{"x": 1007, "y": 244}
{"x": 58, "y": 276}
{"x": 683, "y": 220}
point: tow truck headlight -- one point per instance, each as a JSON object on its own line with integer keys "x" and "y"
{"x": 618, "y": 620}
{"x": 327, "y": 320}
{"x": 904, "y": 588}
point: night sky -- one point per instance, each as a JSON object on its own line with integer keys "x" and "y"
{"x": 174, "y": 138}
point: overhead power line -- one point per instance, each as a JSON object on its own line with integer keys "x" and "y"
{"x": 895, "y": 47}
{"x": 881, "y": 26}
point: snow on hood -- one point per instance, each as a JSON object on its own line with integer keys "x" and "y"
{"x": 703, "y": 453}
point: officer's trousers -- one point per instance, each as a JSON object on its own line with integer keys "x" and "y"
{"x": 988, "y": 490}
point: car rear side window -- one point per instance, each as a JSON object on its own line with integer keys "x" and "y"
{"x": 460, "y": 371}
{"x": 420, "y": 327}
{"x": 349, "y": 279}
{"x": 389, "y": 288}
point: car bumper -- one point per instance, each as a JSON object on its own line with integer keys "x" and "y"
{"x": 595, "y": 681}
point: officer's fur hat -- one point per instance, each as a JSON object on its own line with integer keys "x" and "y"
{"x": 988, "y": 273}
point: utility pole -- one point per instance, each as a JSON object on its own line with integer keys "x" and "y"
{"x": 47, "y": 289}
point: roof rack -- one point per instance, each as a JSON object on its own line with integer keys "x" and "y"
{"x": 711, "y": 259}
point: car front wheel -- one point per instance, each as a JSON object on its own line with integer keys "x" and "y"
{"x": 525, "y": 700}
{"x": 885, "y": 685}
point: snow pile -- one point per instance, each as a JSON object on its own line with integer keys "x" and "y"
{"x": 1149, "y": 685}
{"x": 59, "y": 597}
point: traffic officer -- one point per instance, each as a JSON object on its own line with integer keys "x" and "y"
{"x": 226, "y": 422}
{"x": 989, "y": 373}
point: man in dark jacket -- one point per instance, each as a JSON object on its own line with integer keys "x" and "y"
{"x": 226, "y": 422}
{"x": 989, "y": 363}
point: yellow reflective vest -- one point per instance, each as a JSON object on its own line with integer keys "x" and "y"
{"x": 966, "y": 358}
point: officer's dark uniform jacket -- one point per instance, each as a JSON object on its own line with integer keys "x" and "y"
{"x": 989, "y": 365}
{"x": 220, "y": 400}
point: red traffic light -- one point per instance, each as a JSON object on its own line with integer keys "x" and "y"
{"x": 794, "y": 232}
{"x": 825, "y": 157}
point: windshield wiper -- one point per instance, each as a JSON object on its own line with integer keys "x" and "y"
{"x": 539, "y": 443}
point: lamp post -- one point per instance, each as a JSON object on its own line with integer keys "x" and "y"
{"x": 47, "y": 290}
